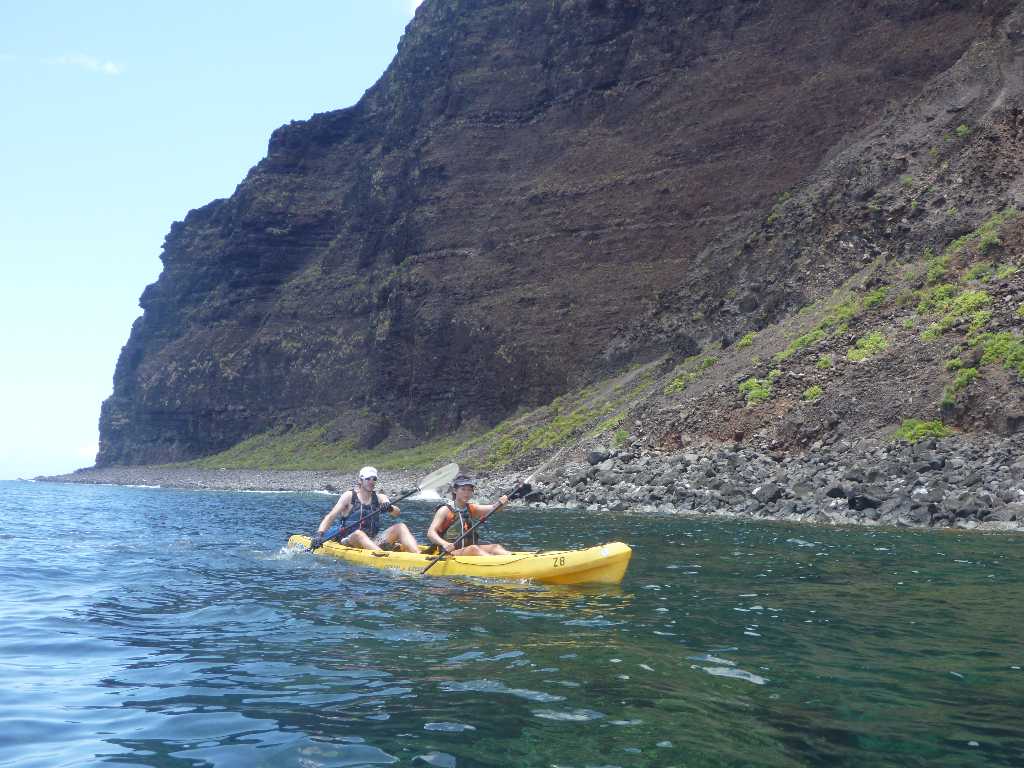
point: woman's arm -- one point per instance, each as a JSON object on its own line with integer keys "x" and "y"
{"x": 483, "y": 510}
{"x": 433, "y": 531}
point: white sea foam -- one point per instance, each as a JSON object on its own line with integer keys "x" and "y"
{"x": 738, "y": 674}
{"x": 448, "y": 727}
{"x": 573, "y": 716}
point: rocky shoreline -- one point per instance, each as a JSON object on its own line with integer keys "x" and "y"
{"x": 957, "y": 482}
{"x": 961, "y": 482}
{"x": 267, "y": 480}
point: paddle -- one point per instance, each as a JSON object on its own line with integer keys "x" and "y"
{"x": 435, "y": 479}
{"x": 521, "y": 490}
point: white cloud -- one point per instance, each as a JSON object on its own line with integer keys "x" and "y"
{"x": 90, "y": 64}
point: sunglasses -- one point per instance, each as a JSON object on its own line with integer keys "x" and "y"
{"x": 371, "y": 477}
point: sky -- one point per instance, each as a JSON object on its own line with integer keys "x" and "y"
{"x": 117, "y": 119}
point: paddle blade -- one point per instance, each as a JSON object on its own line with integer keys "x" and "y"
{"x": 521, "y": 491}
{"x": 439, "y": 478}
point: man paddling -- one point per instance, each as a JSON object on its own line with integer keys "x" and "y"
{"x": 361, "y": 511}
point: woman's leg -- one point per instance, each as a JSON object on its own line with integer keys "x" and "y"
{"x": 494, "y": 549}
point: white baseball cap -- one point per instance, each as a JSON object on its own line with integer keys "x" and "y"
{"x": 367, "y": 472}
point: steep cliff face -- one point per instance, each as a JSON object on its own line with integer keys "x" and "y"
{"x": 532, "y": 194}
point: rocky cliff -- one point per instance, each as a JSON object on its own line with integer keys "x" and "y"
{"x": 537, "y": 194}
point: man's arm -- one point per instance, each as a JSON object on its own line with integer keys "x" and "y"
{"x": 385, "y": 504}
{"x": 341, "y": 508}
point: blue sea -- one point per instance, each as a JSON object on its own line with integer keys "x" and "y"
{"x": 151, "y": 627}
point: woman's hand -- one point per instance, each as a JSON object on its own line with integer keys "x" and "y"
{"x": 393, "y": 510}
{"x": 503, "y": 501}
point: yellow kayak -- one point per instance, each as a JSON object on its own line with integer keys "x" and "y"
{"x": 604, "y": 564}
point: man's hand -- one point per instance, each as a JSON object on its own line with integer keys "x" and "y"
{"x": 393, "y": 510}
{"x": 317, "y": 541}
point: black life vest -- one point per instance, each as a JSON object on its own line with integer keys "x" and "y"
{"x": 363, "y": 517}
{"x": 465, "y": 523}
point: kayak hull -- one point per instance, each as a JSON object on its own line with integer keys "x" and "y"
{"x": 603, "y": 564}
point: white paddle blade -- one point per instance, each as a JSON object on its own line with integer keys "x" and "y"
{"x": 439, "y": 478}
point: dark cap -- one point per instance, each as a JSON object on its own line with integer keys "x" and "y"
{"x": 463, "y": 480}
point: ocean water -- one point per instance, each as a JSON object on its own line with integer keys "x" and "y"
{"x": 150, "y": 627}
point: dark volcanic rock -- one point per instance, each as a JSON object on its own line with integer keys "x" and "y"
{"x": 532, "y": 192}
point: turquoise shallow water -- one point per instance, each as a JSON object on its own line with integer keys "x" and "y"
{"x": 169, "y": 628}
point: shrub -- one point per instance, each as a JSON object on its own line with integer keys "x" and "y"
{"x": 1006, "y": 271}
{"x": 987, "y": 233}
{"x": 839, "y": 316}
{"x": 746, "y": 341}
{"x": 955, "y": 364}
{"x": 912, "y": 430}
{"x": 956, "y": 306}
{"x": 876, "y": 297}
{"x": 979, "y": 270}
{"x": 907, "y": 181}
{"x": 620, "y": 437}
{"x": 867, "y": 346}
{"x": 964, "y": 377}
{"x": 935, "y": 298}
{"x": 979, "y": 320}
{"x": 1006, "y": 348}
{"x": 963, "y": 131}
{"x": 756, "y": 390}
{"x": 824, "y": 362}
{"x": 813, "y": 393}
{"x": 687, "y": 377}
{"x": 937, "y": 266}
{"x": 802, "y": 342}
{"x": 966, "y": 303}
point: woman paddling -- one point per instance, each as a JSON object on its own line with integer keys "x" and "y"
{"x": 466, "y": 513}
